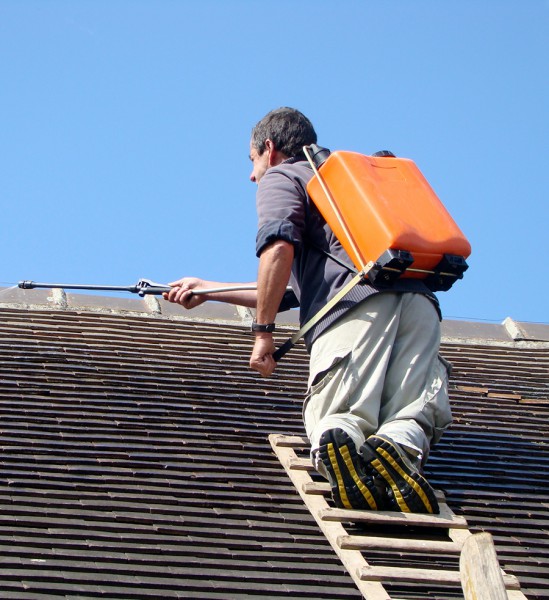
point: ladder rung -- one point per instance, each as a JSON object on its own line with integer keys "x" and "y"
{"x": 301, "y": 464}
{"x": 291, "y": 441}
{"x": 445, "y": 519}
{"x": 365, "y": 542}
{"x": 320, "y": 488}
{"x": 403, "y": 574}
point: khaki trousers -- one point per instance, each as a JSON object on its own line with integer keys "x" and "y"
{"x": 377, "y": 370}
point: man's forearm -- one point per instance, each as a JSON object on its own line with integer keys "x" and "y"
{"x": 242, "y": 297}
{"x": 192, "y": 291}
{"x": 275, "y": 265}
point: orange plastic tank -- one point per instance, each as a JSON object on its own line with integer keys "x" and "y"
{"x": 386, "y": 203}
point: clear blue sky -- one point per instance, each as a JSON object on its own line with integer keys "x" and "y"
{"x": 126, "y": 124}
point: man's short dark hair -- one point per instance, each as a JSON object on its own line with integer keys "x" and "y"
{"x": 287, "y": 128}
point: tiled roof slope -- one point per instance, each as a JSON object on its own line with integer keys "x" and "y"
{"x": 135, "y": 461}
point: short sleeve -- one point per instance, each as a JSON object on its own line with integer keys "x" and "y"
{"x": 281, "y": 203}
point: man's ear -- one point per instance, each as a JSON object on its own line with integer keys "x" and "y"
{"x": 275, "y": 156}
{"x": 270, "y": 148}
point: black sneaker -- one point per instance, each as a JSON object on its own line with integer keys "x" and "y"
{"x": 408, "y": 490}
{"x": 352, "y": 484}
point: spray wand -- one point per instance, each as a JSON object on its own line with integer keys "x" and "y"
{"x": 143, "y": 287}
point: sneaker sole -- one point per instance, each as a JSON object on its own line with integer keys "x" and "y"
{"x": 411, "y": 491}
{"x": 350, "y": 488}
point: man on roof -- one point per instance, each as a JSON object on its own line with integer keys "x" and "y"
{"x": 377, "y": 391}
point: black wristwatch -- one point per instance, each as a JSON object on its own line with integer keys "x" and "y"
{"x": 269, "y": 328}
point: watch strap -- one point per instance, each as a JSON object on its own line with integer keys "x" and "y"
{"x": 267, "y": 328}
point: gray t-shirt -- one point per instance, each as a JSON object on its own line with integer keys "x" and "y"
{"x": 285, "y": 212}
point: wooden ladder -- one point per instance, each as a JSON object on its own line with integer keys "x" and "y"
{"x": 351, "y": 547}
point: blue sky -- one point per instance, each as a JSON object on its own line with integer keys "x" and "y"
{"x": 126, "y": 124}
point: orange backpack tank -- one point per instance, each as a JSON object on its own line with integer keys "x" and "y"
{"x": 383, "y": 210}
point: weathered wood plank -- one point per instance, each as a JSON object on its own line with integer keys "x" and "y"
{"x": 481, "y": 577}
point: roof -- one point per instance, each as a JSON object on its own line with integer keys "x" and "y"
{"x": 136, "y": 462}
